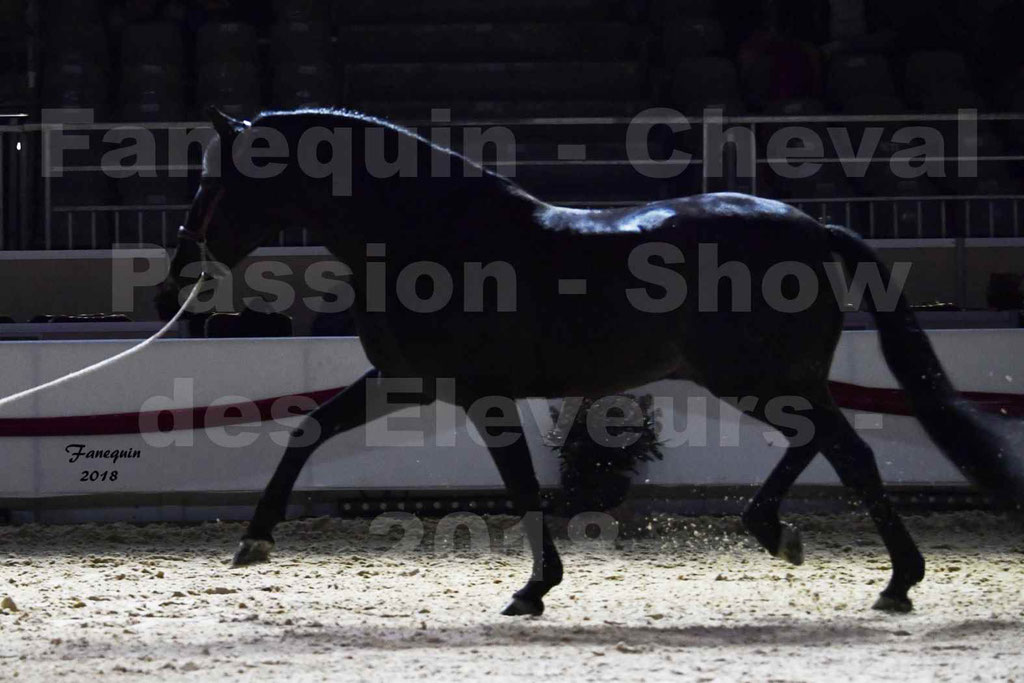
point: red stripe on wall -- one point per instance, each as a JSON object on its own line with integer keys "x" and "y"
{"x": 851, "y": 396}
{"x": 155, "y": 421}
{"x": 894, "y": 401}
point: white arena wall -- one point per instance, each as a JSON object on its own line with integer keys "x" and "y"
{"x": 39, "y": 436}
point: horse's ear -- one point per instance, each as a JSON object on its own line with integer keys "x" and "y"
{"x": 227, "y": 127}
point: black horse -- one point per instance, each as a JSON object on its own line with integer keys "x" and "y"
{"x": 621, "y": 321}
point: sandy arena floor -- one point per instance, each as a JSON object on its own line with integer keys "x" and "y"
{"x": 690, "y": 600}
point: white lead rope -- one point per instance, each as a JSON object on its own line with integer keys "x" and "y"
{"x": 113, "y": 359}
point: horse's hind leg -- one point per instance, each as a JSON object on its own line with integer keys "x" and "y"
{"x": 761, "y": 516}
{"x": 512, "y": 457}
{"x": 855, "y": 464}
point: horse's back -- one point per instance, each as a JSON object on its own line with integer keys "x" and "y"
{"x": 650, "y": 271}
{"x": 693, "y": 215}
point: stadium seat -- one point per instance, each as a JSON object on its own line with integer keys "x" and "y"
{"x": 84, "y": 43}
{"x": 874, "y": 104}
{"x": 14, "y": 92}
{"x": 952, "y": 100}
{"x": 493, "y": 81}
{"x": 663, "y": 10}
{"x": 300, "y": 42}
{"x": 691, "y": 37}
{"x": 708, "y": 81}
{"x": 15, "y": 95}
{"x": 458, "y": 42}
{"x": 857, "y": 75}
{"x": 761, "y": 82}
{"x": 791, "y": 107}
{"x": 75, "y": 85}
{"x": 152, "y": 43}
{"x": 317, "y": 11}
{"x": 234, "y": 87}
{"x": 1014, "y": 99}
{"x": 72, "y": 12}
{"x": 248, "y": 323}
{"x": 803, "y": 106}
{"x": 152, "y": 92}
{"x": 12, "y": 16}
{"x": 347, "y": 12}
{"x": 304, "y": 85}
{"x": 218, "y": 43}
{"x": 932, "y": 72}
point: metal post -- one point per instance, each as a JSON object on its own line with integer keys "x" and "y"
{"x": 47, "y": 198}
{"x": 753, "y": 159}
{"x": 704, "y": 156}
{"x": 21, "y": 178}
{"x": 3, "y": 190}
{"x": 961, "y": 272}
{"x": 961, "y": 259}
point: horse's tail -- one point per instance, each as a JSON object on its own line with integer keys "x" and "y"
{"x": 957, "y": 427}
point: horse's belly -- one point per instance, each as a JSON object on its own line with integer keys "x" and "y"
{"x": 608, "y": 358}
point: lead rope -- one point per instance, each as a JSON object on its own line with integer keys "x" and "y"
{"x": 210, "y": 266}
{"x": 113, "y": 359}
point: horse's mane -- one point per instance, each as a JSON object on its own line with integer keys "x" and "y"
{"x": 293, "y": 122}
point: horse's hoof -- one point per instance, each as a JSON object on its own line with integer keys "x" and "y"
{"x": 252, "y": 551}
{"x": 791, "y": 548}
{"x": 524, "y": 607}
{"x": 887, "y": 603}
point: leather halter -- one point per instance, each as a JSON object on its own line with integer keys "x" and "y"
{"x": 199, "y": 236}
{"x": 212, "y": 268}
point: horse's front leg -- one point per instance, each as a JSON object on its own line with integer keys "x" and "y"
{"x": 511, "y": 455}
{"x": 344, "y": 411}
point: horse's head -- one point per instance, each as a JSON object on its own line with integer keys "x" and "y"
{"x": 226, "y": 221}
